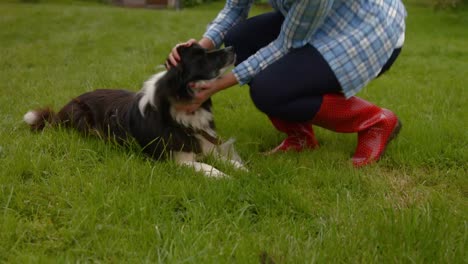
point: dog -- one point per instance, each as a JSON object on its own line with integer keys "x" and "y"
{"x": 150, "y": 117}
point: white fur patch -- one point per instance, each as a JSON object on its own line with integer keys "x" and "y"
{"x": 31, "y": 117}
{"x": 148, "y": 91}
{"x": 199, "y": 120}
{"x": 189, "y": 159}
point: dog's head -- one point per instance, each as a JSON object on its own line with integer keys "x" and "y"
{"x": 196, "y": 64}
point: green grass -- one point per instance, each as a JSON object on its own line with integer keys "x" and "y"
{"x": 65, "y": 198}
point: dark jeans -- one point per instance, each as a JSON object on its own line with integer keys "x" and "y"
{"x": 291, "y": 88}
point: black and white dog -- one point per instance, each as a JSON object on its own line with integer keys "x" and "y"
{"x": 150, "y": 116}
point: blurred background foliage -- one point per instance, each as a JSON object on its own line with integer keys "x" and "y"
{"x": 441, "y": 4}
{"x": 436, "y": 4}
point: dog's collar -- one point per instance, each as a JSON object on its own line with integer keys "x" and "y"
{"x": 215, "y": 140}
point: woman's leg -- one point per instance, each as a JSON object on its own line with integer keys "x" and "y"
{"x": 301, "y": 87}
{"x": 292, "y": 87}
{"x": 375, "y": 126}
{"x": 247, "y": 38}
{"x": 290, "y": 93}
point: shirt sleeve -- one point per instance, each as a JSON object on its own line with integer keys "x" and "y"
{"x": 233, "y": 12}
{"x": 301, "y": 22}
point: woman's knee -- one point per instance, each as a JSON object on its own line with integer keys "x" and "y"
{"x": 263, "y": 99}
{"x": 299, "y": 109}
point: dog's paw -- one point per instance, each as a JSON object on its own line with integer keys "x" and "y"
{"x": 215, "y": 173}
{"x": 239, "y": 165}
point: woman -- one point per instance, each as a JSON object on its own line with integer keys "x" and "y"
{"x": 304, "y": 63}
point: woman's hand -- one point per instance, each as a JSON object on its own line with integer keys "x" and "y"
{"x": 205, "y": 89}
{"x": 174, "y": 57}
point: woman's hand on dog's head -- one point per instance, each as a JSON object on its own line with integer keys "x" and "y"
{"x": 174, "y": 57}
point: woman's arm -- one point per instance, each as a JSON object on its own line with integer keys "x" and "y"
{"x": 206, "y": 43}
{"x": 233, "y": 12}
{"x": 302, "y": 21}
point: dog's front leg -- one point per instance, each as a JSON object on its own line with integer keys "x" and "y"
{"x": 224, "y": 152}
{"x": 227, "y": 153}
{"x": 189, "y": 159}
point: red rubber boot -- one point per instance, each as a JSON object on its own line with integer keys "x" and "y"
{"x": 300, "y": 136}
{"x": 375, "y": 126}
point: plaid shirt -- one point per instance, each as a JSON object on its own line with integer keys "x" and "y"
{"x": 356, "y": 37}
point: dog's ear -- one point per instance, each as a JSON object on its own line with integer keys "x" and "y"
{"x": 182, "y": 50}
{"x": 172, "y": 78}
{"x": 190, "y": 51}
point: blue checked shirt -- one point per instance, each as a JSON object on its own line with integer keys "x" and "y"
{"x": 356, "y": 37}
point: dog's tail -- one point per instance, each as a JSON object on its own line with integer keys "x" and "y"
{"x": 38, "y": 119}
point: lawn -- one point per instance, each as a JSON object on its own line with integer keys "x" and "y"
{"x": 66, "y": 198}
